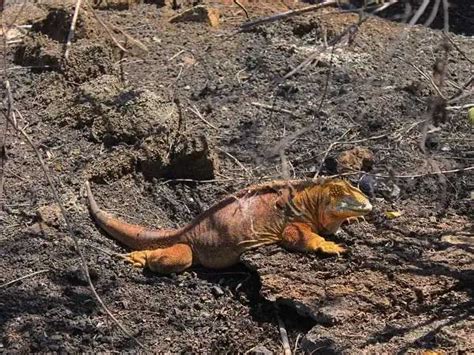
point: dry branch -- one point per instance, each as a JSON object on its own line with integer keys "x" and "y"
{"x": 284, "y": 15}
{"x": 284, "y": 336}
{"x": 419, "y": 12}
{"x": 243, "y": 9}
{"x": 70, "y": 35}
{"x": 437, "y": 104}
{"x": 434, "y": 12}
{"x": 194, "y": 110}
{"x": 3, "y": 146}
{"x": 23, "y": 277}
{"x": 457, "y": 48}
{"x": 237, "y": 161}
{"x": 274, "y": 109}
{"x": 106, "y": 28}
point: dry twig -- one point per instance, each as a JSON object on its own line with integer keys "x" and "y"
{"x": 428, "y": 78}
{"x": 237, "y": 161}
{"x": 419, "y": 12}
{"x": 446, "y": 16}
{"x": 106, "y": 28}
{"x": 457, "y": 48}
{"x": 461, "y": 94}
{"x": 70, "y": 35}
{"x": 274, "y": 109}
{"x": 434, "y": 12}
{"x": 437, "y": 104}
{"x": 201, "y": 117}
{"x": 243, "y": 8}
{"x": 284, "y": 336}
{"x": 3, "y": 146}
{"x": 384, "y": 6}
{"x": 22, "y": 278}
{"x": 284, "y": 15}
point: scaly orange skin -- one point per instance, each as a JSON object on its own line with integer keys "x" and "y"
{"x": 290, "y": 213}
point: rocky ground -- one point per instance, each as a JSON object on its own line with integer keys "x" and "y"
{"x": 190, "y": 113}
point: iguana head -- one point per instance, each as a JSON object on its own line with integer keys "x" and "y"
{"x": 329, "y": 203}
{"x": 342, "y": 200}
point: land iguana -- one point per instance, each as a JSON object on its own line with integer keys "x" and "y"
{"x": 294, "y": 214}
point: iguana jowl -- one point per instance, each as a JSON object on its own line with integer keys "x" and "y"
{"x": 293, "y": 214}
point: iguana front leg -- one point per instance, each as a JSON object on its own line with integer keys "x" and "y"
{"x": 300, "y": 237}
{"x": 169, "y": 260}
{"x": 357, "y": 220}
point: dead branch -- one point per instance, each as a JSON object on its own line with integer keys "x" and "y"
{"x": 446, "y": 16}
{"x": 437, "y": 104}
{"x": 70, "y": 35}
{"x": 194, "y": 110}
{"x": 6, "y": 284}
{"x": 105, "y": 27}
{"x": 212, "y": 181}
{"x": 428, "y": 78}
{"x": 455, "y": 108}
{"x": 284, "y": 15}
{"x": 460, "y": 94}
{"x": 3, "y": 147}
{"x": 402, "y": 37}
{"x": 243, "y": 9}
{"x": 129, "y": 38}
{"x": 284, "y": 335}
{"x": 435, "y": 173}
{"x": 349, "y": 32}
{"x": 419, "y": 12}
{"x": 237, "y": 161}
{"x": 457, "y": 48}
{"x": 384, "y": 6}
{"x": 434, "y": 12}
{"x": 275, "y": 109}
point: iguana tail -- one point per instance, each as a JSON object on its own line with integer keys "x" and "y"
{"x": 134, "y": 236}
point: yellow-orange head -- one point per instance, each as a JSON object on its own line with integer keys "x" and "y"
{"x": 342, "y": 200}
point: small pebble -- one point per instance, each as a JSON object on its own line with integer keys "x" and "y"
{"x": 217, "y": 291}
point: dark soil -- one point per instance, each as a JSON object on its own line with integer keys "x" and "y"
{"x": 163, "y": 135}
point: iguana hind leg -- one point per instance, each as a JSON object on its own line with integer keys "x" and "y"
{"x": 300, "y": 237}
{"x": 168, "y": 260}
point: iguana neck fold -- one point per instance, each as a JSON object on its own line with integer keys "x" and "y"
{"x": 312, "y": 205}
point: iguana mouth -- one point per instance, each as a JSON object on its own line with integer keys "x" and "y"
{"x": 365, "y": 208}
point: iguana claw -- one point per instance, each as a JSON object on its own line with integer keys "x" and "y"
{"x": 136, "y": 258}
{"x": 351, "y": 220}
{"x": 331, "y": 248}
